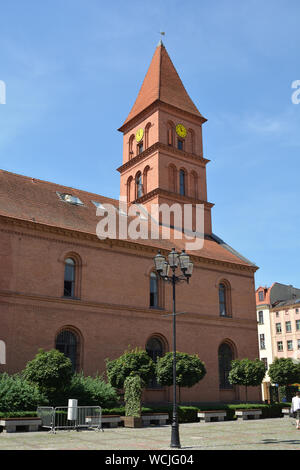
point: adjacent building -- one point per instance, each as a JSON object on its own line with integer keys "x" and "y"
{"x": 277, "y": 331}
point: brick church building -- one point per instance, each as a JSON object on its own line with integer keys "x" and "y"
{"x": 63, "y": 287}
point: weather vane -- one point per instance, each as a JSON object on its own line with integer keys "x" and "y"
{"x": 162, "y": 33}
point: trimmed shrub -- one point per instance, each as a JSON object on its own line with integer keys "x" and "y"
{"x": 133, "y": 396}
{"x": 17, "y": 394}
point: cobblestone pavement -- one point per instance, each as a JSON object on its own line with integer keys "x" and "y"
{"x": 264, "y": 434}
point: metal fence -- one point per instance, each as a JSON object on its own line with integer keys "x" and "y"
{"x": 68, "y": 417}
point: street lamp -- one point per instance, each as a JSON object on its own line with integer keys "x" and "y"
{"x": 163, "y": 268}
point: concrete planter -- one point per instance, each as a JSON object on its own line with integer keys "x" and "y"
{"x": 132, "y": 422}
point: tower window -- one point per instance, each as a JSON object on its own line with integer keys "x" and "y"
{"x": 182, "y": 182}
{"x": 140, "y": 147}
{"x": 180, "y": 144}
{"x": 139, "y": 185}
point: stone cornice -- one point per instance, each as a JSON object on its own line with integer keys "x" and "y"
{"x": 173, "y": 197}
{"x": 110, "y": 243}
{"x": 160, "y": 146}
{"x": 154, "y": 106}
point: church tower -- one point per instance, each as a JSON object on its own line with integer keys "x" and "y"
{"x": 163, "y": 159}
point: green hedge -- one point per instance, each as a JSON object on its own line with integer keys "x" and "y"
{"x": 18, "y": 414}
{"x": 186, "y": 414}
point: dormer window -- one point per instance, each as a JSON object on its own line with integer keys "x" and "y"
{"x": 261, "y": 295}
{"x": 70, "y": 199}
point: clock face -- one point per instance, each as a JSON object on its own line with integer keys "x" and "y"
{"x": 139, "y": 135}
{"x": 181, "y": 130}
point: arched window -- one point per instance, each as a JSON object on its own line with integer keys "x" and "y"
{"x": 153, "y": 290}
{"x": 172, "y": 178}
{"x": 147, "y": 128}
{"x": 145, "y": 179}
{"x": 194, "y": 185}
{"x": 69, "y": 279}
{"x": 130, "y": 147}
{"x": 129, "y": 189}
{"x": 182, "y": 182}
{"x": 67, "y": 342}
{"x": 225, "y": 356}
{"x": 155, "y": 349}
{"x": 170, "y": 134}
{"x": 224, "y": 299}
{"x": 138, "y": 185}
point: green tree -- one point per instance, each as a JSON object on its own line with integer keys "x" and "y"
{"x": 131, "y": 371}
{"x": 284, "y": 372}
{"x": 50, "y": 370}
{"x": 132, "y": 362}
{"x": 246, "y": 372}
{"x": 189, "y": 370}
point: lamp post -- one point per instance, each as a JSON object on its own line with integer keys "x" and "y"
{"x": 163, "y": 268}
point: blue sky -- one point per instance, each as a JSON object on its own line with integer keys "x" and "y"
{"x": 73, "y": 68}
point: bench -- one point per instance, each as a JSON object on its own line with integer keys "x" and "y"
{"x": 161, "y": 418}
{"x": 112, "y": 420}
{"x": 11, "y": 424}
{"x": 286, "y": 412}
{"x": 207, "y": 416}
{"x": 248, "y": 414}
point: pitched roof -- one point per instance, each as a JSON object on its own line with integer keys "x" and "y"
{"x": 38, "y": 201}
{"x": 162, "y": 83}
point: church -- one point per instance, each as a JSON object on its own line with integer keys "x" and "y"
{"x": 64, "y": 287}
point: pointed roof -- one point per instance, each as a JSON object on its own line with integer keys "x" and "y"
{"x": 162, "y": 83}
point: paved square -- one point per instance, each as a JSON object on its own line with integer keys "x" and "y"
{"x": 263, "y": 434}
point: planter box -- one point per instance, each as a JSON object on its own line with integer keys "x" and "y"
{"x": 11, "y": 424}
{"x": 132, "y": 422}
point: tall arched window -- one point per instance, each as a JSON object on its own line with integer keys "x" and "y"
{"x": 129, "y": 189}
{"x": 147, "y": 128}
{"x": 194, "y": 185}
{"x": 182, "y": 182}
{"x": 170, "y": 134}
{"x": 225, "y": 356}
{"x": 130, "y": 146}
{"x": 153, "y": 290}
{"x": 155, "y": 349}
{"x": 69, "y": 279}
{"x": 138, "y": 185}
{"x": 67, "y": 342}
{"x": 224, "y": 299}
{"x": 145, "y": 179}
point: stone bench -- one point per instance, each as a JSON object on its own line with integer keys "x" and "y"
{"x": 207, "y": 416}
{"x": 112, "y": 420}
{"x": 11, "y": 424}
{"x": 285, "y": 412}
{"x": 248, "y": 414}
{"x": 161, "y": 418}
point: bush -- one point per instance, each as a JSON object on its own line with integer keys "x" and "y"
{"x": 89, "y": 391}
{"x": 50, "y": 370}
{"x": 16, "y": 394}
{"x": 133, "y": 396}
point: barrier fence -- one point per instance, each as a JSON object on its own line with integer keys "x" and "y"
{"x": 70, "y": 417}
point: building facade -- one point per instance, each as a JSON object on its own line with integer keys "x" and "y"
{"x": 63, "y": 287}
{"x": 271, "y": 326}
